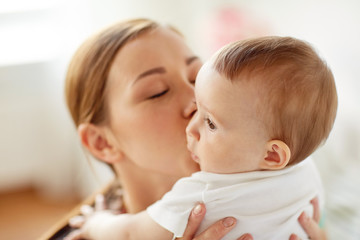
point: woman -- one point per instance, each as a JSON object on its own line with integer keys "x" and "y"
{"x": 129, "y": 90}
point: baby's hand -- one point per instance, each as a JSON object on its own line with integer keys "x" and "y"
{"x": 92, "y": 226}
{"x": 88, "y": 224}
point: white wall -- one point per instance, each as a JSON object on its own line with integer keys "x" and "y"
{"x": 37, "y": 139}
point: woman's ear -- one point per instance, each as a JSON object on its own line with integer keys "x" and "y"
{"x": 277, "y": 155}
{"x": 96, "y": 141}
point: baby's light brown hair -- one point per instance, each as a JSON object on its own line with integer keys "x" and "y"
{"x": 295, "y": 87}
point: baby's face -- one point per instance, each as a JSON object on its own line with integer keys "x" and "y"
{"x": 225, "y": 135}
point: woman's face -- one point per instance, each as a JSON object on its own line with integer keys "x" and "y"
{"x": 151, "y": 100}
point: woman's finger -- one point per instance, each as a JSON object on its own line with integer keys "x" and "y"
{"x": 316, "y": 207}
{"x": 294, "y": 237}
{"x": 195, "y": 218}
{"x": 218, "y": 230}
{"x": 311, "y": 227}
{"x": 245, "y": 237}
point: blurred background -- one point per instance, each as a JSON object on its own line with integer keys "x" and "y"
{"x": 43, "y": 170}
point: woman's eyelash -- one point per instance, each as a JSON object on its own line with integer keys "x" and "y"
{"x": 159, "y": 94}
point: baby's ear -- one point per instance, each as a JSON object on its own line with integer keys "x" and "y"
{"x": 95, "y": 139}
{"x": 277, "y": 155}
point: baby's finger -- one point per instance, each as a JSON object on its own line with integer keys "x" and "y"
{"x": 86, "y": 210}
{"x": 77, "y": 221}
{"x": 75, "y": 235}
{"x": 100, "y": 202}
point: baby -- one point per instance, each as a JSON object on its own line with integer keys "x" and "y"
{"x": 263, "y": 106}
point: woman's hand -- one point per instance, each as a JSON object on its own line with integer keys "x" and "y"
{"x": 216, "y": 231}
{"x": 311, "y": 225}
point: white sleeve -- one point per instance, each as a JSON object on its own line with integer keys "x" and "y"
{"x": 172, "y": 211}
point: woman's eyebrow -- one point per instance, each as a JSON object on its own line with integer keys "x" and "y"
{"x": 156, "y": 70}
{"x": 161, "y": 70}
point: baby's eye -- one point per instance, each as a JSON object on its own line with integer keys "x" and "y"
{"x": 210, "y": 124}
{"x": 158, "y": 94}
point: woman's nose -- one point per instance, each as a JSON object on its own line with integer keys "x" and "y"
{"x": 190, "y": 104}
{"x": 191, "y": 129}
{"x": 190, "y": 109}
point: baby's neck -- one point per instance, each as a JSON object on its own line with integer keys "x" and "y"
{"x": 142, "y": 187}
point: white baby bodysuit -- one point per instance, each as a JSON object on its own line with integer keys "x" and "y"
{"x": 265, "y": 203}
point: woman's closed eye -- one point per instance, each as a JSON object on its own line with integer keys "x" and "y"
{"x": 158, "y": 94}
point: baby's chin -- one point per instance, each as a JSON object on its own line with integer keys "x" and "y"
{"x": 195, "y": 158}
{"x": 191, "y": 166}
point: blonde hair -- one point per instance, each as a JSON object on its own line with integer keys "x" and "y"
{"x": 297, "y": 89}
{"x": 88, "y": 70}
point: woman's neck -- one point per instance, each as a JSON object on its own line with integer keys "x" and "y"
{"x": 141, "y": 186}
